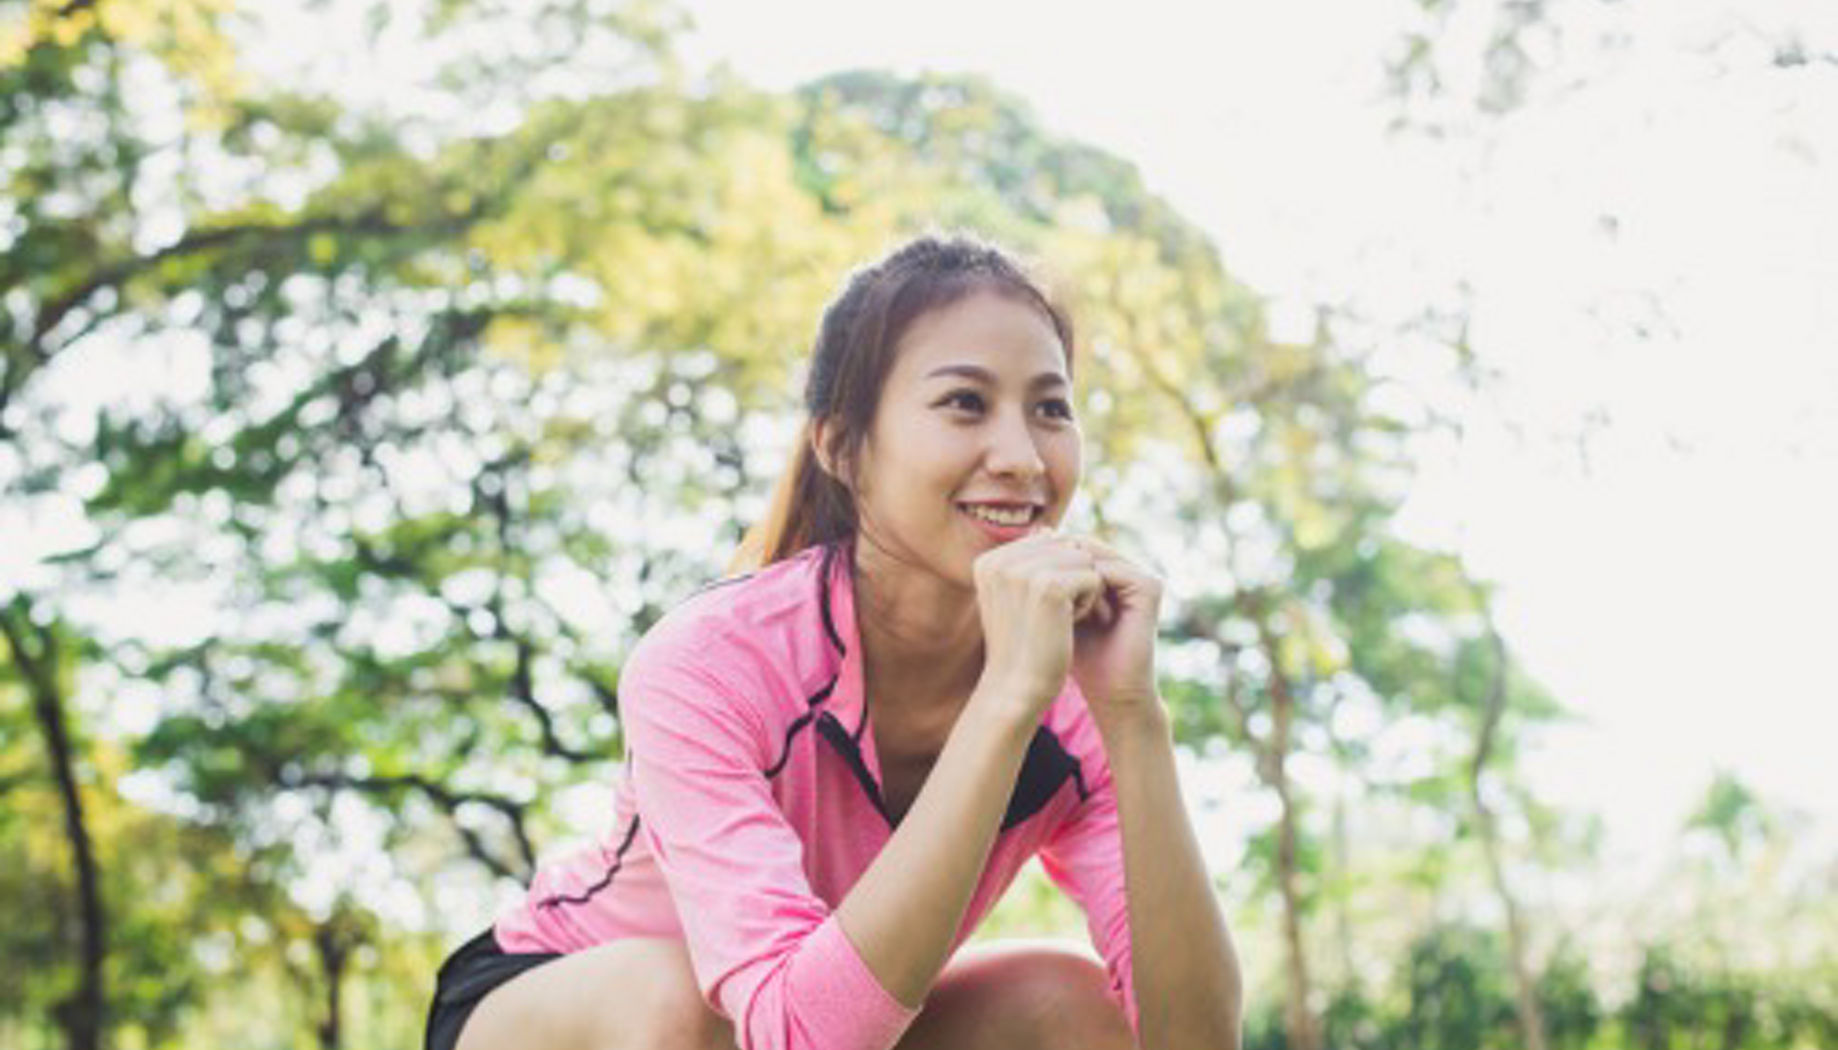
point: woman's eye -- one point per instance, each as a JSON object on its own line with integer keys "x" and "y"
{"x": 966, "y": 399}
{"x": 971, "y": 401}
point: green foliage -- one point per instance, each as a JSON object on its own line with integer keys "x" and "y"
{"x": 1449, "y": 990}
{"x": 1567, "y": 1001}
{"x": 1678, "y": 1006}
{"x": 1733, "y": 814}
{"x": 1033, "y": 908}
{"x": 164, "y": 883}
{"x": 1455, "y": 987}
{"x": 450, "y": 412}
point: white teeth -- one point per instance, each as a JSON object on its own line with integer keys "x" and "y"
{"x": 1001, "y": 517}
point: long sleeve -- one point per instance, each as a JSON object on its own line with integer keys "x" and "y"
{"x": 766, "y": 950}
{"x": 1084, "y": 858}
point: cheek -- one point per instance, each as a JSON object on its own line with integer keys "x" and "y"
{"x": 913, "y": 473}
{"x": 924, "y": 458}
{"x": 1067, "y": 464}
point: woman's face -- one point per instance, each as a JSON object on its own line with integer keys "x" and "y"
{"x": 974, "y": 423}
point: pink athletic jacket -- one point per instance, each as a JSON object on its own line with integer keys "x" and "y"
{"x": 751, "y": 802}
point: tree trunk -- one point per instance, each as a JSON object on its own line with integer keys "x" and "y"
{"x": 329, "y": 939}
{"x": 1298, "y": 1019}
{"x": 1525, "y": 991}
{"x": 1343, "y": 867}
{"x": 35, "y": 654}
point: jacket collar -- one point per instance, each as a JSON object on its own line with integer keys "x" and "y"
{"x": 848, "y": 700}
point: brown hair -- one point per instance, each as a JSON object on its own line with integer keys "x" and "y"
{"x": 854, "y": 352}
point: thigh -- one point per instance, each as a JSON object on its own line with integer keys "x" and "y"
{"x": 636, "y": 994}
{"x": 1020, "y": 995}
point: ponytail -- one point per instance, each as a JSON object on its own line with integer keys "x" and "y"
{"x": 809, "y": 506}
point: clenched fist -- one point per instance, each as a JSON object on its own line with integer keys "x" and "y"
{"x": 1053, "y": 604}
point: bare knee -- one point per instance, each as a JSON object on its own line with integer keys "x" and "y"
{"x": 1015, "y": 996}
{"x": 1065, "y": 1003}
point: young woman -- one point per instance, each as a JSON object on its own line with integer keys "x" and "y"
{"x": 838, "y": 761}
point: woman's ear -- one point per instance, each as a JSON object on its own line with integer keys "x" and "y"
{"x": 823, "y": 439}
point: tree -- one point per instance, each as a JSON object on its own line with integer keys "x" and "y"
{"x": 469, "y": 406}
{"x": 36, "y": 656}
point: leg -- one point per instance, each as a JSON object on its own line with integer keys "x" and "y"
{"x": 641, "y": 995}
{"x": 1020, "y": 996}
{"x": 626, "y": 995}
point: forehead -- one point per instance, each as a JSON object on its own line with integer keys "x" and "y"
{"x": 996, "y": 332}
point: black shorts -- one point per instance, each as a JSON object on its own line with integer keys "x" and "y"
{"x": 475, "y": 968}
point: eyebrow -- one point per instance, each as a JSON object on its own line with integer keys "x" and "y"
{"x": 984, "y": 375}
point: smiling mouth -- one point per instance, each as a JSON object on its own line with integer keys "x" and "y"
{"x": 1010, "y": 516}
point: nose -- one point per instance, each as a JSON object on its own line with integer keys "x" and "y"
{"x": 1013, "y": 449}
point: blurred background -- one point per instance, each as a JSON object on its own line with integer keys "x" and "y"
{"x": 373, "y": 374}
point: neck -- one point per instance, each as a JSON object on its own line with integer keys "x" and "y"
{"x": 921, "y": 637}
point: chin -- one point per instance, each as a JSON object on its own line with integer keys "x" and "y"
{"x": 954, "y": 563}
{"x": 963, "y": 575}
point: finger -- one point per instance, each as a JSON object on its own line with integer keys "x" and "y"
{"x": 1127, "y": 584}
{"x": 1018, "y": 557}
{"x": 1112, "y": 563}
{"x": 1090, "y": 614}
{"x": 1097, "y": 548}
{"x": 1051, "y": 556}
{"x": 1045, "y": 554}
{"x": 1086, "y": 588}
{"x": 1093, "y": 604}
{"x": 1100, "y": 609}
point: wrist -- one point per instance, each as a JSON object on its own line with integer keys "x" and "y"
{"x": 1135, "y": 719}
{"x": 1016, "y": 706}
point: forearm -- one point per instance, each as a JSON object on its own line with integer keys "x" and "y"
{"x": 1185, "y": 969}
{"x": 903, "y": 913}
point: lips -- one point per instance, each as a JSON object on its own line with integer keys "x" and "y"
{"x": 1008, "y": 508}
{"x": 1003, "y": 532}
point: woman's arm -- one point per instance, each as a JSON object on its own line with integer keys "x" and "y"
{"x": 792, "y": 973}
{"x": 765, "y": 948}
{"x": 903, "y": 914}
{"x": 1184, "y": 971}
{"x": 1187, "y": 984}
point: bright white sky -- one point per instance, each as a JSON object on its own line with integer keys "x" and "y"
{"x": 1675, "y": 589}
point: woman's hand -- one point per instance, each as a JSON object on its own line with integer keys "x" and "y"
{"x": 1029, "y": 594}
{"x": 1114, "y": 651}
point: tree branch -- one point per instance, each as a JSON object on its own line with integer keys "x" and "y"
{"x": 607, "y": 696}
{"x": 446, "y": 798}
{"x": 1495, "y": 707}
{"x": 115, "y": 273}
{"x": 522, "y": 690}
